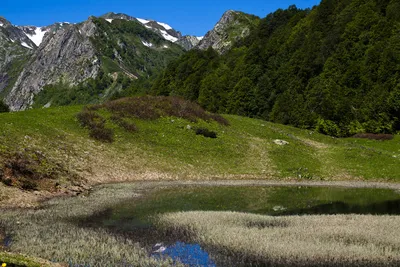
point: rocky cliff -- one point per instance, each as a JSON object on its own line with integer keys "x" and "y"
{"x": 66, "y": 54}
{"x": 74, "y": 53}
{"x": 232, "y": 26}
{"x": 15, "y": 47}
{"x": 116, "y": 44}
{"x": 188, "y": 41}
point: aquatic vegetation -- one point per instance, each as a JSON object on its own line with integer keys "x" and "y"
{"x": 323, "y": 240}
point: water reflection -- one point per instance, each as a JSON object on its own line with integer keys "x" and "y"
{"x": 390, "y": 207}
{"x": 188, "y": 254}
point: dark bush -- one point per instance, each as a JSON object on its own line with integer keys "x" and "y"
{"x": 382, "y": 137}
{"x": 154, "y": 107}
{"x": 206, "y": 133}
{"x": 102, "y": 134}
{"x": 96, "y": 125}
{"x": 128, "y": 126}
{"x": 28, "y": 184}
{"x": 7, "y": 181}
{"x": 21, "y": 166}
{"x": 90, "y": 119}
{"x": 3, "y": 107}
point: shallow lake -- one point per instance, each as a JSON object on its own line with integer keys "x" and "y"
{"x": 136, "y": 217}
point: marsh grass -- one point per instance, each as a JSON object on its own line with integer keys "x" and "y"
{"x": 108, "y": 227}
{"x": 51, "y": 232}
{"x": 324, "y": 240}
{"x": 18, "y": 260}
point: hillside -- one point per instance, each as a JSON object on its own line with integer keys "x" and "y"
{"x": 48, "y": 150}
{"x": 334, "y": 68}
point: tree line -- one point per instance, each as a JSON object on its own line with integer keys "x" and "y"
{"x": 334, "y": 68}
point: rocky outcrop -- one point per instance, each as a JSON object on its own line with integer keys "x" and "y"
{"x": 188, "y": 42}
{"x": 11, "y": 51}
{"x": 112, "y": 15}
{"x": 232, "y": 26}
{"x": 14, "y": 34}
{"x": 66, "y": 55}
{"x": 164, "y": 30}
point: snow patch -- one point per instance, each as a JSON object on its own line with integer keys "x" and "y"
{"x": 166, "y": 46}
{"x": 26, "y": 45}
{"x": 200, "y": 38}
{"x": 168, "y": 37}
{"x": 1, "y": 24}
{"x": 37, "y": 37}
{"x": 147, "y": 44}
{"x": 143, "y": 21}
{"x": 109, "y": 20}
{"x": 166, "y": 26}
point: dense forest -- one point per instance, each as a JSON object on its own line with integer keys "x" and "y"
{"x": 334, "y": 68}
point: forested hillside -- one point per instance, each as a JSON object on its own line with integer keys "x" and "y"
{"x": 334, "y": 68}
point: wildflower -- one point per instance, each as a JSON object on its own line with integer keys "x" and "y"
{"x": 4, "y": 264}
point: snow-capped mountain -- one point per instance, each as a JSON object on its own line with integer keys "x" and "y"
{"x": 36, "y": 34}
{"x": 14, "y": 34}
{"x": 113, "y": 45}
{"x": 163, "y": 29}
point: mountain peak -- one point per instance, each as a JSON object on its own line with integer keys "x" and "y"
{"x": 4, "y": 22}
{"x": 112, "y": 15}
{"x": 232, "y": 26}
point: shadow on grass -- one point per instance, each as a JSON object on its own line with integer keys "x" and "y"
{"x": 390, "y": 207}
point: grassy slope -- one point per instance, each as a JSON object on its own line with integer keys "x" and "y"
{"x": 166, "y": 149}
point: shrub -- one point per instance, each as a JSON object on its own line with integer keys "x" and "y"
{"x": 3, "y": 107}
{"x": 371, "y": 136}
{"x": 206, "y": 133}
{"x": 128, "y": 126}
{"x": 102, "y": 134}
{"x": 96, "y": 125}
{"x": 154, "y": 107}
{"x": 90, "y": 119}
{"x": 32, "y": 170}
{"x": 28, "y": 184}
{"x": 328, "y": 127}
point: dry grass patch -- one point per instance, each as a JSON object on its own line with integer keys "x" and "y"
{"x": 336, "y": 240}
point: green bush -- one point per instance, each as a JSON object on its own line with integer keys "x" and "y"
{"x": 206, "y": 133}
{"x": 328, "y": 127}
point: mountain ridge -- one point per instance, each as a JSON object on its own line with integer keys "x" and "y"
{"x": 114, "y": 47}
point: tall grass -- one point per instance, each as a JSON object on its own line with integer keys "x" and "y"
{"x": 52, "y": 233}
{"x": 336, "y": 240}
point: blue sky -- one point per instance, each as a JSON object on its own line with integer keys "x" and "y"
{"x": 190, "y": 16}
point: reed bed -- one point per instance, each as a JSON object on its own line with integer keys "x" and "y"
{"x": 329, "y": 240}
{"x": 52, "y": 233}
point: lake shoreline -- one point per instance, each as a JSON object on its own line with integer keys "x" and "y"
{"x": 34, "y": 199}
